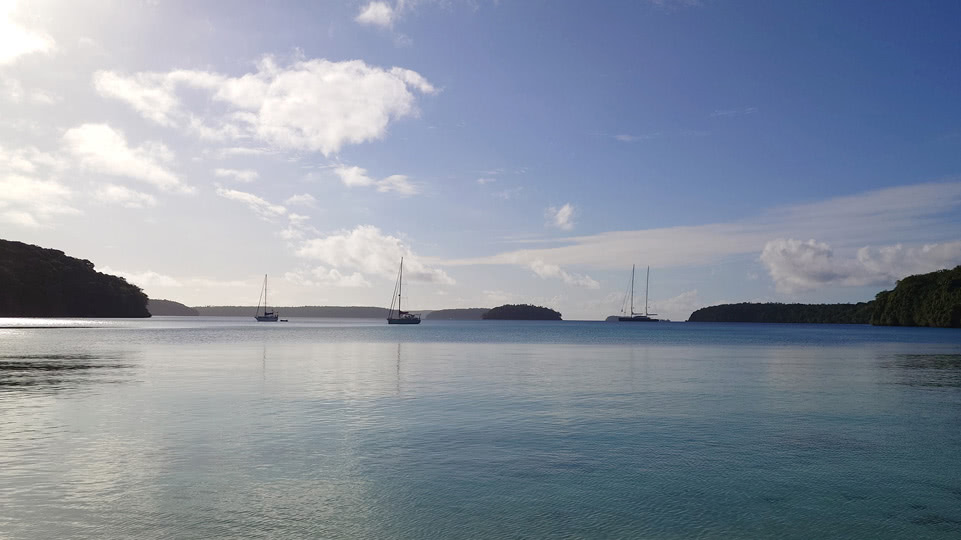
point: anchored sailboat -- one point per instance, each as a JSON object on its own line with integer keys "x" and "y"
{"x": 267, "y": 316}
{"x": 399, "y": 316}
{"x": 637, "y": 317}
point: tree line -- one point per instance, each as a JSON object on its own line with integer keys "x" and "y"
{"x": 39, "y": 282}
{"x": 859, "y": 313}
{"x": 932, "y": 299}
{"x": 522, "y": 312}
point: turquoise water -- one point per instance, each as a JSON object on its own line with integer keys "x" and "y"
{"x": 203, "y": 428}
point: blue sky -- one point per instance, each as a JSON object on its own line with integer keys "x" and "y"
{"x": 511, "y": 151}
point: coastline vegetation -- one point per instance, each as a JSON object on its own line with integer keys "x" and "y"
{"x": 859, "y": 313}
{"x": 932, "y": 299}
{"x": 522, "y": 312}
{"x": 40, "y": 282}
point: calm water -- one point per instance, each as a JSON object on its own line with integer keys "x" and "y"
{"x": 202, "y": 428}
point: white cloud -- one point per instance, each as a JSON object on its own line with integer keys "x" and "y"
{"x": 17, "y": 41}
{"x": 670, "y": 5}
{"x": 326, "y": 277}
{"x": 150, "y": 94}
{"x": 259, "y": 206}
{"x": 509, "y": 193}
{"x": 733, "y": 112}
{"x": 562, "y": 217}
{"x": 221, "y": 131}
{"x": 240, "y": 175}
{"x": 297, "y": 227}
{"x": 30, "y": 194}
{"x": 358, "y": 177}
{"x": 206, "y": 283}
{"x": 354, "y": 176}
{"x": 304, "y": 199}
{"x": 546, "y": 271}
{"x": 677, "y": 308}
{"x": 144, "y": 279}
{"x": 499, "y": 297}
{"x": 796, "y": 266}
{"x": 314, "y": 105}
{"x": 367, "y": 250}
{"x": 378, "y": 14}
{"x": 28, "y": 160}
{"x": 909, "y": 214}
{"x": 42, "y": 97}
{"x": 483, "y": 181}
{"x": 397, "y": 183}
{"x": 897, "y": 261}
{"x": 12, "y": 90}
{"x": 624, "y": 137}
{"x": 31, "y": 202}
{"x": 102, "y": 149}
{"x": 242, "y": 151}
{"x": 123, "y": 196}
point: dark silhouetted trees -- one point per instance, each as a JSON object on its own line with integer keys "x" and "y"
{"x": 859, "y": 313}
{"x": 39, "y": 282}
{"x": 522, "y": 312}
{"x": 932, "y": 299}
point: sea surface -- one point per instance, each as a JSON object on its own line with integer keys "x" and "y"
{"x": 317, "y": 428}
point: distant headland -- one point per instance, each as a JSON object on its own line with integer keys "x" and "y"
{"x": 932, "y": 299}
{"x": 462, "y": 314}
{"x": 40, "y": 282}
{"x": 522, "y": 312}
{"x": 168, "y": 308}
{"x": 859, "y": 313}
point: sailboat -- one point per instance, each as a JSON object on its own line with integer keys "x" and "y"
{"x": 400, "y": 316}
{"x": 267, "y": 316}
{"x": 637, "y": 317}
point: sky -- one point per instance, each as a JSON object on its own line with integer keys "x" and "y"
{"x": 511, "y": 151}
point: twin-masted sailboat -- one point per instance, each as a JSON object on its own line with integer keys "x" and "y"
{"x": 637, "y": 317}
{"x": 267, "y": 315}
{"x": 400, "y": 316}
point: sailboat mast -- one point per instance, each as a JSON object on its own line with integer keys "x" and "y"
{"x": 265, "y": 294}
{"x": 647, "y": 284}
{"x": 632, "y": 290}
{"x": 400, "y": 286}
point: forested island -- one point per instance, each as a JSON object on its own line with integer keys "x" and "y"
{"x": 462, "y": 314}
{"x": 859, "y": 313}
{"x": 169, "y": 308}
{"x": 40, "y": 282}
{"x": 932, "y": 299}
{"x": 522, "y": 312}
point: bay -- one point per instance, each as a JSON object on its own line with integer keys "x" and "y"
{"x": 223, "y": 427}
